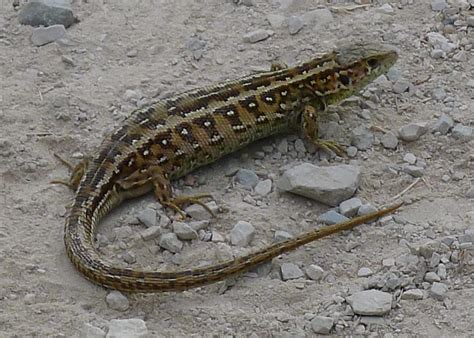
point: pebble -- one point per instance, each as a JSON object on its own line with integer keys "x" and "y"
{"x": 442, "y": 273}
{"x": 412, "y": 132}
{"x": 90, "y": 331}
{"x": 46, "y": 13}
{"x": 242, "y": 233}
{"x": 386, "y": 9}
{"x": 412, "y": 294}
{"x": 198, "y": 213}
{"x": 366, "y": 209}
{"x": 389, "y": 140}
{"x": 401, "y": 86}
{"x": 437, "y": 53}
{"x": 330, "y": 185}
{"x": 117, "y": 301}
{"x": 414, "y": 170}
{"x": 147, "y": 217}
{"x": 29, "y": 299}
{"x": 470, "y": 192}
{"x": 319, "y": 17}
{"x": 290, "y": 271}
{"x": 263, "y": 188}
{"x": 281, "y": 236}
{"x": 184, "y": 231}
{"x": 315, "y": 272}
{"x": 351, "y": 151}
{"x": 438, "y": 41}
{"x": 151, "y": 233}
{"x": 295, "y": 24}
{"x": 350, "y": 207}
{"x": 438, "y": 5}
{"x": 362, "y": 138}
{"x": 282, "y": 147}
{"x": 438, "y": 291}
{"x": 322, "y": 325}
{"x": 431, "y": 277}
{"x": 439, "y": 94}
{"x": 462, "y": 132}
{"x": 364, "y": 272}
{"x": 275, "y": 20}
{"x": 256, "y": 36}
{"x": 44, "y": 35}
{"x": 171, "y": 242}
{"x": 388, "y": 262}
{"x": 332, "y": 217}
{"x": 409, "y": 158}
{"x": 127, "y": 328}
{"x": 217, "y": 237}
{"x": 444, "y": 124}
{"x": 370, "y": 302}
{"x": 247, "y": 178}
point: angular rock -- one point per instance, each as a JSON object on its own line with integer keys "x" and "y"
{"x": 47, "y": 13}
{"x": 462, "y": 132}
{"x": 364, "y": 272}
{"x": 171, "y": 242}
{"x": 438, "y": 94}
{"x": 431, "y": 277}
{"x": 127, "y": 328}
{"x": 366, "y": 209}
{"x": 370, "y": 302}
{"x": 414, "y": 170}
{"x": 91, "y": 331}
{"x": 443, "y": 125}
{"x": 415, "y": 294}
{"x": 330, "y": 185}
{"x": 198, "y": 213}
{"x": 438, "y": 5}
{"x": 117, "y": 301}
{"x": 242, "y": 233}
{"x": 256, "y": 36}
{"x": 184, "y": 231}
{"x": 295, "y": 24}
{"x": 350, "y": 207}
{"x": 389, "y": 140}
{"x": 362, "y": 138}
{"x": 151, "y": 233}
{"x": 147, "y": 217}
{"x": 315, "y": 272}
{"x": 281, "y": 236}
{"x": 322, "y": 325}
{"x": 247, "y": 178}
{"x": 290, "y": 271}
{"x": 401, "y": 86}
{"x": 438, "y": 291}
{"x": 275, "y": 20}
{"x": 438, "y": 41}
{"x": 412, "y": 132}
{"x": 44, "y": 35}
{"x": 332, "y": 217}
{"x": 263, "y": 188}
{"x": 318, "y": 17}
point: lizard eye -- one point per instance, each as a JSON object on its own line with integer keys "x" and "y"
{"x": 373, "y": 63}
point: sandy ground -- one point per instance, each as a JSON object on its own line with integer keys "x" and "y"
{"x": 64, "y": 98}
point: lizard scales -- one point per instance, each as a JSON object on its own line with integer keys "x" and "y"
{"x": 169, "y": 138}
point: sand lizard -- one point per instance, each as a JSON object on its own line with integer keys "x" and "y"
{"x": 171, "y": 137}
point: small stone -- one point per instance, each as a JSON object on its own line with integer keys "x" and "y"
{"x": 388, "y": 262}
{"x": 437, "y": 53}
{"x": 151, "y": 233}
{"x": 90, "y": 331}
{"x": 351, "y": 151}
{"x": 431, "y": 277}
{"x": 439, "y": 290}
{"x": 438, "y": 5}
{"x": 315, "y": 272}
{"x": 322, "y": 325}
{"x": 319, "y": 17}
{"x": 445, "y": 178}
{"x": 394, "y": 74}
{"x": 350, "y": 207}
{"x": 217, "y": 237}
{"x": 332, "y": 217}
{"x": 370, "y": 302}
{"x": 438, "y": 94}
{"x": 282, "y": 147}
{"x": 247, "y": 178}
{"x": 275, "y": 20}
{"x": 401, "y": 86}
{"x": 199, "y": 213}
{"x": 117, "y": 301}
{"x": 412, "y": 294}
{"x": 46, "y": 13}
{"x": 362, "y": 138}
{"x": 412, "y": 132}
{"x": 295, "y": 24}
{"x": 462, "y": 132}
{"x": 366, "y": 209}
{"x": 386, "y": 9}
{"x": 442, "y": 273}
{"x": 263, "y": 188}
{"x": 470, "y": 192}
{"x": 281, "y": 236}
{"x": 389, "y": 140}
{"x": 409, "y": 158}
{"x": 171, "y": 242}
{"x": 44, "y": 35}
{"x": 147, "y": 217}
{"x": 438, "y": 41}
{"x": 242, "y": 233}
{"x": 444, "y": 124}
{"x": 414, "y": 170}
{"x": 364, "y": 272}
{"x": 132, "y": 95}
{"x": 256, "y": 36}
{"x": 127, "y": 328}
{"x": 29, "y": 298}
{"x": 184, "y": 231}
{"x": 132, "y": 53}
{"x": 290, "y": 271}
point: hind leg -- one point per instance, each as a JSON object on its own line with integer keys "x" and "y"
{"x": 76, "y": 172}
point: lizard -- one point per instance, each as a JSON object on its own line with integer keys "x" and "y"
{"x": 171, "y": 137}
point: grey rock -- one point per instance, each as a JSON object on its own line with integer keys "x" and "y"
{"x": 439, "y": 290}
{"x": 401, "y": 86}
{"x": 318, "y": 17}
{"x": 47, "y": 13}
{"x": 263, "y": 188}
{"x": 282, "y": 147}
{"x": 362, "y": 138}
{"x": 370, "y": 302}
{"x": 444, "y": 124}
{"x": 413, "y": 294}
{"x": 438, "y": 93}
{"x": 388, "y": 262}
{"x": 414, "y": 170}
{"x": 315, "y": 272}
{"x": 248, "y": 3}
{"x": 351, "y": 151}
{"x": 462, "y": 132}
{"x": 242, "y": 233}
{"x": 295, "y": 24}
{"x": 148, "y": 217}
{"x": 281, "y": 236}
{"x": 470, "y": 192}
{"x": 90, "y": 331}
{"x": 386, "y": 9}
{"x": 151, "y": 233}
{"x": 442, "y": 273}
{"x": 44, "y": 35}
{"x": 256, "y": 36}
{"x": 217, "y": 237}
{"x": 247, "y": 178}
{"x": 438, "y": 5}
{"x": 198, "y": 213}
{"x": 350, "y": 207}
{"x": 438, "y": 41}
{"x": 171, "y": 242}
{"x": 412, "y": 132}
{"x": 332, "y": 217}
{"x": 117, "y": 301}
{"x": 127, "y": 328}
{"x": 394, "y": 74}
{"x": 389, "y": 140}
{"x": 299, "y": 146}
{"x": 409, "y": 158}
{"x": 364, "y": 272}
{"x": 290, "y": 271}
{"x": 330, "y": 185}
{"x": 437, "y": 53}
{"x": 431, "y": 277}
{"x": 184, "y": 231}
{"x": 275, "y": 20}
{"x": 322, "y": 325}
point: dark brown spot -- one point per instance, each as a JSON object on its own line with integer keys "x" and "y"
{"x": 345, "y": 80}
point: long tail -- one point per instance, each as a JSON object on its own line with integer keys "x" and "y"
{"x": 80, "y": 249}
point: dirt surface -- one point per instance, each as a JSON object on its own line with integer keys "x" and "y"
{"x": 64, "y": 97}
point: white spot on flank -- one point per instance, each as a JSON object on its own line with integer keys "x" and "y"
{"x": 134, "y": 142}
{"x": 279, "y": 115}
{"x": 164, "y": 142}
{"x": 230, "y": 113}
{"x": 144, "y": 121}
{"x": 252, "y": 105}
{"x": 171, "y": 108}
{"x": 207, "y": 123}
{"x": 261, "y": 118}
{"x": 184, "y": 131}
{"x": 284, "y": 93}
{"x": 282, "y": 106}
{"x": 179, "y": 152}
{"x": 268, "y": 99}
{"x": 146, "y": 152}
{"x": 196, "y": 145}
{"x": 238, "y": 127}
{"x": 130, "y": 163}
{"x": 162, "y": 159}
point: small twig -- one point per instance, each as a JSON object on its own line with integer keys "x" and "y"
{"x": 406, "y": 189}
{"x": 378, "y": 128}
{"x": 420, "y": 81}
{"x": 348, "y": 8}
